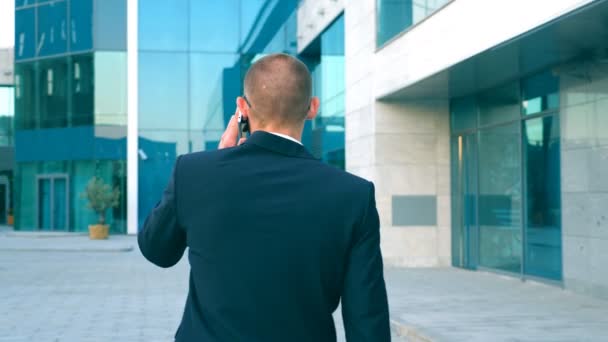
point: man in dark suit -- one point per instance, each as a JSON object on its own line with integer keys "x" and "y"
{"x": 276, "y": 238}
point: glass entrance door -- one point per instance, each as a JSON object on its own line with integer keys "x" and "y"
{"x": 465, "y": 202}
{"x": 53, "y": 202}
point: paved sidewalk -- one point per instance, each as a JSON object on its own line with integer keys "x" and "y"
{"x": 71, "y": 294}
{"x": 458, "y": 305}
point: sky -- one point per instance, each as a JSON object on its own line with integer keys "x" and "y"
{"x": 7, "y": 23}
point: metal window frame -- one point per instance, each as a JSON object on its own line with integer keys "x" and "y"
{"x": 4, "y": 181}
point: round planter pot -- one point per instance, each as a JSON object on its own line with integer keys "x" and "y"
{"x": 98, "y": 231}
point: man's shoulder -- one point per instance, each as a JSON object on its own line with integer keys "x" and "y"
{"x": 336, "y": 176}
{"x": 206, "y": 156}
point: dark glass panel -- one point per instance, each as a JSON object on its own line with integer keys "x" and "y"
{"x": 82, "y": 90}
{"x": 543, "y": 197}
{"x": 500, "y": 185}
{"x": 463, "y": 113}
{"x": 81, "y": 25}
{"x": 25, "y": 96}
{"x": 25, "y": 36}
{"x": 499, "y": 105}
{"x": 540, "y": 93}
{"x": 52, "y": 29}
{"x": 394, "y": 16}
{"x": 52, "y": 92}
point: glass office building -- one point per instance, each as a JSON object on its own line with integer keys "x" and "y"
{"x": 71, "y": 94}
{"x": 192, "y": 67}
{"x": 7, "y": 109}
{"x": 70, "y": 110}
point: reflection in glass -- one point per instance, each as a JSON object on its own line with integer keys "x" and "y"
{"x": 463, "y": 113}
{"x": 110, "y": 88}
{"x": 465, "y": 234}
{"x": 157, "y": 153}
{"x": 25, "y": 36}
{"x": 163, "y": 24}
{"x": 7, "y": 103}
{"x": 216, "y": 81}
{"x": 543, "y": 197}
{"x": 394, "y": 16}
{"x": 327, "y": 136}
{"x": 82, "y": 90}
{"x": 214, "y": 25}
{"x": 500, "y": 240}
{"x": 52, "y": 29}
{"x": 163, "y": 90}
{"x": 52, "y": 92}
{"x": 25, "y": 96}
{"x": 540, "y": 93}
{"x": 499, "y": 104}
{"x": 81, "y": 25}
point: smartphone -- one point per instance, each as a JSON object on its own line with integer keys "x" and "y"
{"x": 243, "y": 126}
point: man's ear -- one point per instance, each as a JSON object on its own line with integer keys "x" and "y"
{"x": 242, "y": 106}
{"x": 314, "y": 108}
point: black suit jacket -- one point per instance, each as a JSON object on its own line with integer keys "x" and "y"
{"x": 276, "y": 239}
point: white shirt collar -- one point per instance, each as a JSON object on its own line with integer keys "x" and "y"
{"x": 286, "y": 137}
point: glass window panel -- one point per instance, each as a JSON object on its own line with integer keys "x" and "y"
{"x": 266, "y": 25}
{"x": 327, "y": 131}
{"x": 157, "y": 153}
{"x": 25, "y": 196}
{"x": 6, "y": 115}
{"x": 25, "y": 96}
{"x": 110, "y": 29}
{"x": 543, "y": 197}
{"x": 81, "y": 25}
{"x": 52, "y": 29}
{"x": 540, "y": 93}
{"x": 216, "y": 81}
{"x": 25, "y": 36}
{"x": 464, "y": 201}
{"x": 219, "y": 18}
{"x": 82, "y": 90}
{"x": 163, "y": 24}
{"x": 500, "y": 240}
{"x": 163, "y": 90}
{"x": 499, "y": 104}
{"x": 463, "y": 113}
{"x": 394, "y": 16}
{"x": 110, "y": 88}
{"x": 52, "y": 92}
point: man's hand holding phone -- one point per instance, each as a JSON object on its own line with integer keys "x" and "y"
{"x": 231, "y": 134}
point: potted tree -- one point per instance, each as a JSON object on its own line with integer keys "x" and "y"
{"x": 100, "y": 197}
{"x": 10, "y": 220}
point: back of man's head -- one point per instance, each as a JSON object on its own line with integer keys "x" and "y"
{"x": 278, "y": 88}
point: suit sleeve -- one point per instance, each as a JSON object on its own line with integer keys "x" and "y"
{"x": 161, "y": 240}
{"x": 364, "y": 302}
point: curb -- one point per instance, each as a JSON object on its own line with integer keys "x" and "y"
{"x": 409, "y": 333}
{"x": 79, "y": 250}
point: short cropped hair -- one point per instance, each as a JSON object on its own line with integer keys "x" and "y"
{"x": 279, "y": 89}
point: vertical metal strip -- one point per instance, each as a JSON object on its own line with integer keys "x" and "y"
{"x": 132, "y": 117}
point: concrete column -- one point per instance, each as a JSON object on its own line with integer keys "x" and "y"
{"x": 403, "y": 147}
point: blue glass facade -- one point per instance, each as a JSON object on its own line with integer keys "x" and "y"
{"x": 191, "y": 70}
{"x": 69, "y": 124}
{"x": 70, "y": 95}
{"x": 506, "y": 181}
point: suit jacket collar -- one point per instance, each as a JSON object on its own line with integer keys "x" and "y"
{"x": 277, "y": 144}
